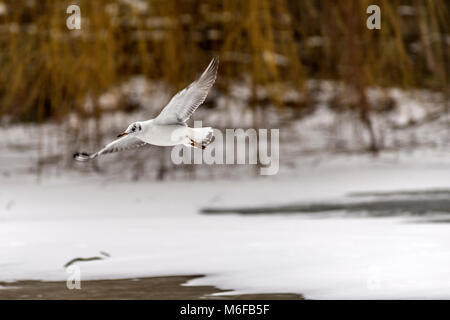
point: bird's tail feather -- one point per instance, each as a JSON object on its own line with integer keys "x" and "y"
{"x": 201, "y": 137}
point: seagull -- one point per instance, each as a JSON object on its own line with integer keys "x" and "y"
{"x": 169, "y": 128}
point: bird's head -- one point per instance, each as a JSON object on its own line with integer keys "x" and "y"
{"x": 133, "y": 129}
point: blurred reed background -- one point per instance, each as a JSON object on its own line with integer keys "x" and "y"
{"x": 49, "y": 72}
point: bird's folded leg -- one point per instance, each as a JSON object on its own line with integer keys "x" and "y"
{"x": 198, "y": 145}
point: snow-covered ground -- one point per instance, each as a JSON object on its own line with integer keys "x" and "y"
{"x": 155, "y": 228}
{"x": 52, "y": 210}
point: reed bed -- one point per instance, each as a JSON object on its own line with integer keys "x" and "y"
{"x": 49, "y": 72}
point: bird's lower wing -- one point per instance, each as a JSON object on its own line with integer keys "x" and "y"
{"x": 184, "y": 103}
{"x": 123, "y": 143}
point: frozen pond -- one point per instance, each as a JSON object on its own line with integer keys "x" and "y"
{"x": 332, "y": 254}
{"x": 351, "y": 227}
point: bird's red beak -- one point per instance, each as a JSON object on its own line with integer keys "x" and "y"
{"x": 122, "y": 134}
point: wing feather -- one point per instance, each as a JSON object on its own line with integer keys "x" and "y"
{"x": 181, "y": 107}
{"x": 121, "y": 144}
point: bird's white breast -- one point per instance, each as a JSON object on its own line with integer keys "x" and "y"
{"x": 164, "y": 135}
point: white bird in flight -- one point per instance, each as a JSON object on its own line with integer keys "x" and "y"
{"x": 169, "y": 127}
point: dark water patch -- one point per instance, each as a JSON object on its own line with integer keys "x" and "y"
{"x": 408, "y": 193}
{"x": 432, "y": 220}
{"x": 374, "y": 207}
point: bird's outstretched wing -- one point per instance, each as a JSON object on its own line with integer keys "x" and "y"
{"x": 123, "y": 143}
{"x": 184, "y": 103}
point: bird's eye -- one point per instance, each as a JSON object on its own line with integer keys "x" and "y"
{"x": 133, "y": 129}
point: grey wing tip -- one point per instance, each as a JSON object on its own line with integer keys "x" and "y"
{"x": 82, "y": 156}
{"x": 215, "y": 62}
{"x": 211, "y": 71}
{"x": 213, "y": 66}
